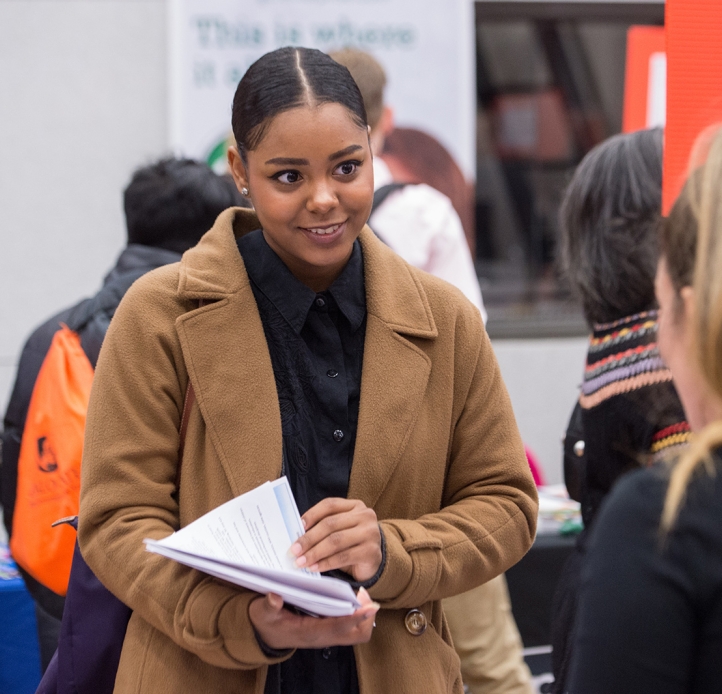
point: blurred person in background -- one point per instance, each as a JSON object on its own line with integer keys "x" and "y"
{"x": 410, "y": 213}
{"x": 422, "y": 226}
{"x": 168, "y": 206}
{"x": 650, "y": 609}
{"x": 414, "y": 156}
{"x": 628, "y": 413}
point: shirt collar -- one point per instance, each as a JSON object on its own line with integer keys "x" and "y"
{"x": 348, "y": 290}
{"x": 292, "y": 298}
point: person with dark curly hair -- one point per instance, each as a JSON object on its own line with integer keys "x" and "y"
{"x": 628, "y": 412}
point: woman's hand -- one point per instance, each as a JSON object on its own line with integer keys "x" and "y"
{"x": 281, "y": 629}
{"x": 340, "y": 534}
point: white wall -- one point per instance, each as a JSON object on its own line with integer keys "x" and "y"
{"x": 82, "y": 103}
{"x": 543, "y": 378}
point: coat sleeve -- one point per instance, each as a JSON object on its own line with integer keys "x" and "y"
{"x": 128, "y": 482}
{"x": 488, "y": 517}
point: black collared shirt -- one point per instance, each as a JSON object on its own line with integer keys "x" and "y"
{"x": 316, "y": 345}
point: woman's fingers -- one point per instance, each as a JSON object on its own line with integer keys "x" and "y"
{"x": 322, "y": 529}
{"x": 281, "y": 629}
{"x": 341, "y": 534}
{"x": 275, "y": 602}
{"x": 364, "y": 598}
{"x": 352, "y": 548}
{"x": 328, "y": 507}
{"x": 332, "y": 535}
{"x": 340, "y": 631}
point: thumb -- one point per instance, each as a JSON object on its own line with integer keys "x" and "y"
{"x": 363, "y": 597}
{"x": 275, "y": 602}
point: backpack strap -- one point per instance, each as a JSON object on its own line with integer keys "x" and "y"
{"x": 380, "y": 196}
{"x": 383, "y": 192}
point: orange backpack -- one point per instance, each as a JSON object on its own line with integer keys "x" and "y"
{"x": 49, "y": 464}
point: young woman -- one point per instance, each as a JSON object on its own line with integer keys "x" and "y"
{"x": 650, "y": 613}
{"x": 319, "y": 354}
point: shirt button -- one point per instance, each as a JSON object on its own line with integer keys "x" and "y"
{"x": 332, "y": 373}
{"x": 320, "y": 301}
{"x": 337, "y": 435}
{"x": 326, "y": 653}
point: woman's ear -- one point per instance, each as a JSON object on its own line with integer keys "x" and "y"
{"x": 238, "y": 170}
{"x": 688, "y": 302}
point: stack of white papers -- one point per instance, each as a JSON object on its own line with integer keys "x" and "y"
{"x": 247, "y": 541}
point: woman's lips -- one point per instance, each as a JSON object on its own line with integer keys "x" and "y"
{"x": 326, "y": 233}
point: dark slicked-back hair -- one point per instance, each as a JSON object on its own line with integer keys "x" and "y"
{"x": 284, "y": 79}
{"x": 172, "y": 203}
{"x": 609, "y": 220}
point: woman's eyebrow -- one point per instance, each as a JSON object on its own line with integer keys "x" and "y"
{"x": 288, "y": 161}
{"x": 344, "y": 152}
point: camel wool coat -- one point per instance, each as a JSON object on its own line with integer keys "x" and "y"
{"x": 438, "y": 457}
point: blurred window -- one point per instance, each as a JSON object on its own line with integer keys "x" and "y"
{"x": 550, "y": 85}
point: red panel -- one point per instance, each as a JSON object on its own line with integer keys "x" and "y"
{"x": 642, "y": 42}
{"x": 694, "y": 83}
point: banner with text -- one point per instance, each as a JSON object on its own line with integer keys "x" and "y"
{"x": 426, "y": 47}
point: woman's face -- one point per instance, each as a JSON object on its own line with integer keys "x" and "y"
{"x": 311, "y": 183}
{"x": 676, "y": 345}
{"x": 670, "y": 334}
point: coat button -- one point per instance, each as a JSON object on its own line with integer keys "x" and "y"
{"x": 338, "y": 435}
{"x": 332, "y": 373}
{"x": 416, "y": 622}
{"x": 579, "y": 449}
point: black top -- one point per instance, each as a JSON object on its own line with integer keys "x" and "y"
{"x": 628, "y": 415}
{"x": 650, "y": 616}
{"x": 628, "y": 404}
{"x": 316, "y": 345}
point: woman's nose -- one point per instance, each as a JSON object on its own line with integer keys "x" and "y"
{"x": 322, "y": 198}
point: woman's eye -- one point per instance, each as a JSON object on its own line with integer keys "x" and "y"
{"x": 288, "y": 177}
{"x": 347, "y": 168}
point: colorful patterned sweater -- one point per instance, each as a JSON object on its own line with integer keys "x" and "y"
{"x": 630, "y": 410}
{"x": 630, "y": 416}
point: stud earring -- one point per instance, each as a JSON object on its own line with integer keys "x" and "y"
{"x": 244, "y": 192}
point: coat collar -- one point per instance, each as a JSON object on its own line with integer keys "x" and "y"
{"x": 214, "y": 269}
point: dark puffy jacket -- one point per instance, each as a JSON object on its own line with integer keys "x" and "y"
{"x": 90, "y": 318}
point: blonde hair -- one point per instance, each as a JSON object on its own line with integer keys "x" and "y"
{"x": 705, "y": 198}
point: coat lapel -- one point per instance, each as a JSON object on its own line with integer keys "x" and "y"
{"x": 227, "y": 357}
{"x": 228, "y": 363}
{"x": 395, "y": 375}
{"x": 395, "y": 371}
